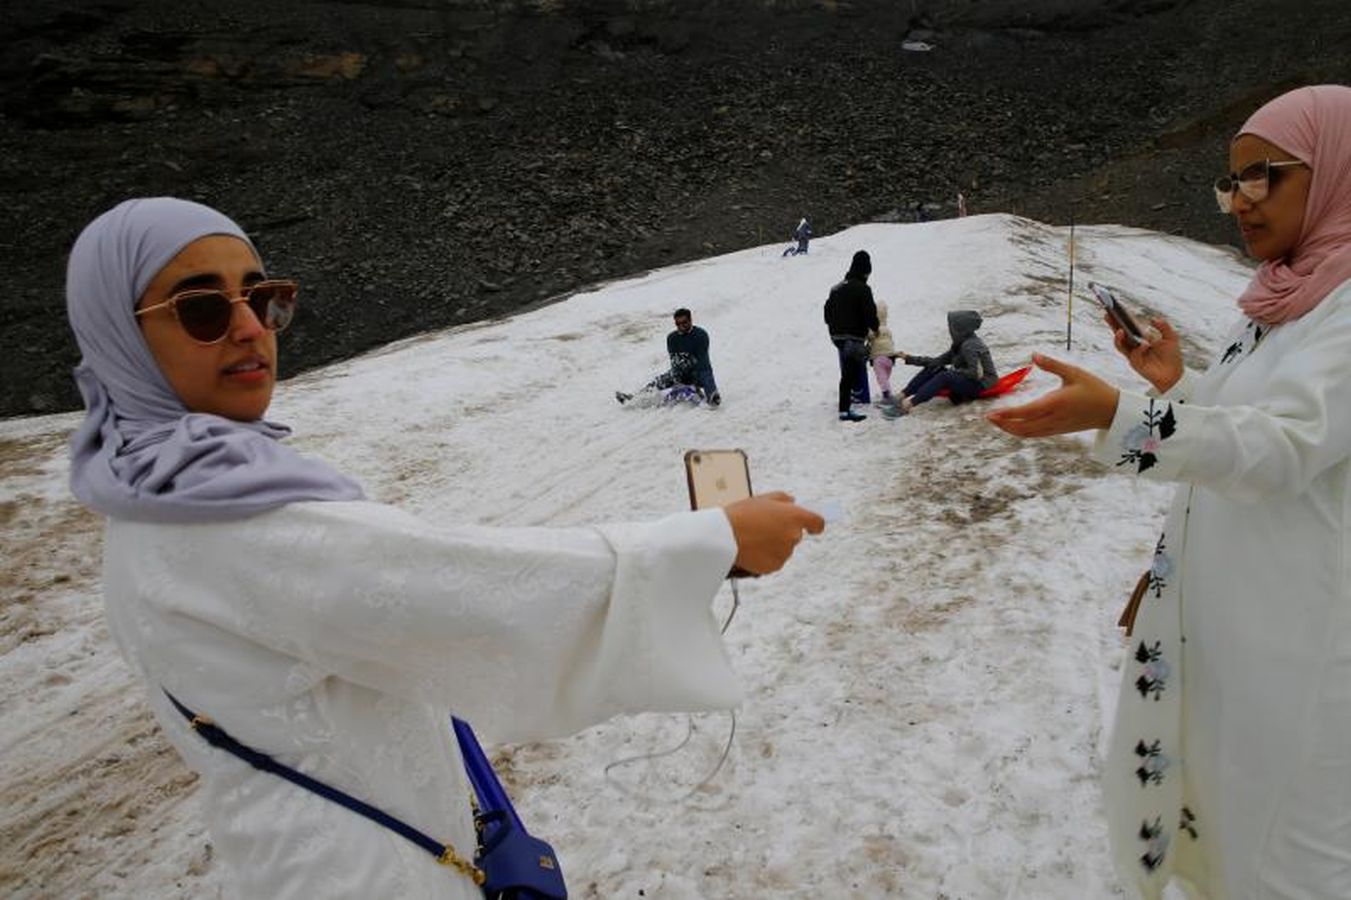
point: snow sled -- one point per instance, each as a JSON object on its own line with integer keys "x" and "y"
{"x": 677, "y": 395}
{"x": 682, "y": 393}
{"x": 1000, "y": 387}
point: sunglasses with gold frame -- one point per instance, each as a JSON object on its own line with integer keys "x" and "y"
{"x": 205, "y": 314}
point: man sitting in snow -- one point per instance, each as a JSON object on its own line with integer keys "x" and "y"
{"x": 964, "y": 370}
{"x": 691, "y": 367}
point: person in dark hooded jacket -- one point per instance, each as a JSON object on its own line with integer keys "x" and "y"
{"x": 965, "y": 369}
{"x": 851, "y": 314}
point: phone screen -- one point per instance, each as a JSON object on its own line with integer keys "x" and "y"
{"x": 717, "y": 477}
{"x": 1119, "y": 314}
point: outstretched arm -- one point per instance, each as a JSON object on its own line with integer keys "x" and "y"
{"x": 1277, "y": 444}
{"x": 1081, "y": 403}
{"x": 529, "y": 632}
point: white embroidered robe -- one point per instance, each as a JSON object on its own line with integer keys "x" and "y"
{"x": 1230, "y": 765}
{"x": 339, "y": 637}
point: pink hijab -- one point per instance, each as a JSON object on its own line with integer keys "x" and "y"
{"x": 1313, "y": 124}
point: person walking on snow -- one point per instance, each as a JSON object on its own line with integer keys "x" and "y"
{"x": 964, "y": 370}
{"x": 850, "y": 314}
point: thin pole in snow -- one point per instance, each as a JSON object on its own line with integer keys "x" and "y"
{"x": 1069, "y": 307}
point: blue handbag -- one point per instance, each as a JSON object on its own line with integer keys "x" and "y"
{"x": 509, "y": 863}
{"x": 516, "y": 865}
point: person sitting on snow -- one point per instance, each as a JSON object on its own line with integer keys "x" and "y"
{"x": 687, "y": 348}
{"x": 964, "y": 370}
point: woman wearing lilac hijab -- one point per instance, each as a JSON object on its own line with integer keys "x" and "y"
{"x": 1230, "y": 764}
{"x": 335, "y": 634}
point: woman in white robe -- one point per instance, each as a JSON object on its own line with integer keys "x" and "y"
{"x": 1230, "y": 763}
{"x": 335, "y": 634}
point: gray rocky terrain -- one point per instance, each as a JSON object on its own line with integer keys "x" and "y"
{"x": 422, "y": 163}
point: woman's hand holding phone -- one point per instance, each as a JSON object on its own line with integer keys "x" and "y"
{"x": 1159, "y": 361}
{"x": 767, "y": 528}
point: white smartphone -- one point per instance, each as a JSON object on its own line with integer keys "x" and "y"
{"x": 1120, "y": 315}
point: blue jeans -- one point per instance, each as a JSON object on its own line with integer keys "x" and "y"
{"x": 853, "y": 378}
{"x": 703, "y": 379}
{"x": 930, "y": 381}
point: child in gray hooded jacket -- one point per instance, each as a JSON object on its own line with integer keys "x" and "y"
{"x": 964, "y": 370}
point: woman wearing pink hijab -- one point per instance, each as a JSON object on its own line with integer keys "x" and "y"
{"x": 1229, "y": 768}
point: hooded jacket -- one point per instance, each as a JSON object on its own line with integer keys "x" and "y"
{"x": 850, "y": 311}
{"x": 968, "y": 354}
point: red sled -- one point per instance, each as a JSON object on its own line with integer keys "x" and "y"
{"x": 1000, "y": 387}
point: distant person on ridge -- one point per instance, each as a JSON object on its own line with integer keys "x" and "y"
{"x": 687, "y": 348}
{"x": 964, "y": 370}
{"x": 803, "y": 235}
{"x": 851, "y": 314}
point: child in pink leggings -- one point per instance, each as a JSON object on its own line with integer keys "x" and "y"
{"x": 883, "y": 355}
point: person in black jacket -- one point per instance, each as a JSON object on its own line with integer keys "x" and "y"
{"x": 850, "y": 314}
{"x": 964, "y": 370}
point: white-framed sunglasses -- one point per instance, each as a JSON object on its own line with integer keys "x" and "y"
{"x": 1254, "y": 182}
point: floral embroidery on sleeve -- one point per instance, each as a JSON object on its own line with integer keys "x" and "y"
{"x": 1141, "y": 443}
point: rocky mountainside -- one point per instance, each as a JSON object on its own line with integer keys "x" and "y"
{"x": 422, "y": 163}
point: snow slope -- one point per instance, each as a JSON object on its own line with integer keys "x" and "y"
{"x": 929, "y": 681}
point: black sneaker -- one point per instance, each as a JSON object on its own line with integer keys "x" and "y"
{"x": 850, "y": 416}
{"x": 715, "y": 400}
{"x": 623, "y": 397}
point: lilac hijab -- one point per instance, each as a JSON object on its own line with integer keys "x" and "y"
{"x": 140, "y": 454}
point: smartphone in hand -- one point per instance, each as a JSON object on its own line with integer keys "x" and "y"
{"x": 717, "y": 478}
{"x": 1135, "y": 334}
